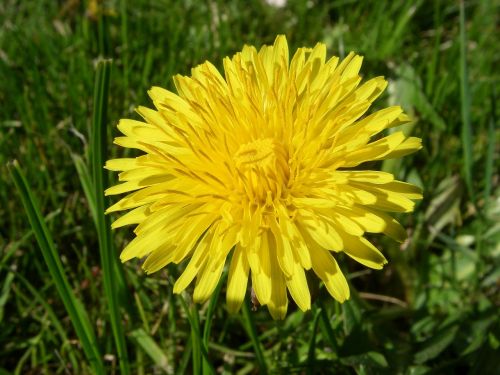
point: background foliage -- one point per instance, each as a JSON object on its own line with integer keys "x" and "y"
{"x": 433, "y": 309}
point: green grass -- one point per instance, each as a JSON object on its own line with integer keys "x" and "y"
{"x": 68, "y": 306}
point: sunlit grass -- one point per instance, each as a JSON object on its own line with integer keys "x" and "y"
{"x": 433, "y": 307}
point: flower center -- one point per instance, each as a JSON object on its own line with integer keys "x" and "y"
{"x": 263, "y": 167}
{"x": 260, "y": 152}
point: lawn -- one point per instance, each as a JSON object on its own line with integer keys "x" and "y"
{"x": 70, "y": 70}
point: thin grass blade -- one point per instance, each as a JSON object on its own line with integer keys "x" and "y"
{"x": 254, "y": 337}
{"x": 326, "y": 328}
{"x": 490, "y": 153}
{"x": 86, "y": 182}
{"x": 199, "y": 352}
{"x": 209, "y": 316}
{"x": 54, "y": 320}
{"x": 73, "y": 306}
{"x": 312, "y": 343}
{"x": 465, "y": 107}
{"x": 106, "y": 248}
{"x": 151, "y": 348}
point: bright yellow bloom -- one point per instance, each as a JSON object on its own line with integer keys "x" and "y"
{"x": 263, "y": 160}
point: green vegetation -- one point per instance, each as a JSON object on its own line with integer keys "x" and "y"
{"x": 69, "y": 70}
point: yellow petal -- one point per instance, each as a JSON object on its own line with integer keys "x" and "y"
{"x": 166, "y": 217}
{"x": 346, "y": 224}
{"x": 374, "y": 151}
{"x": 394, "y": 196}
{"x": 135, "y": 216}
{"x": 374, "y": 177}
{"x": 143, "y": 245}
{"x": 299, "y": 290}
{"x": 283, "y": 249}
{"x": 322, "y": 233}
{"x": 122, "y": 164}
{"x": 393, "y": 229}
{"x": 374, "y": 123}
{"x": 131, "y": 142}
{"x": 409, "y": 146}
{"x": 159, "y": 258}
{"x": 300, "y": 249}
{"x": 198, "y": 260}
{"x": 165, "y": 99}
{"x": 327, "y": 269}
{"x": 371, "y": 90}
{"x": 375, "y": 221}
{"x": 144, "y": 172}
{"x": 261, "y": 270}
{"x": 189, "y": 234}
{"x": 352, "y": 68}
{"x": 280, "y": 50}
{"x": 358, "y": 194}
{"x": 207, "y": 281}
{"x": 362, "y": 250}
{"x": 210, "y": 274}
{"x": 408, "y": 190}
{"x": 125, "y": 187}
{"x": 127, "y": 126}
{"x": 278, "y": 304}
{"x": 237, "y": 280}
{"x": 369, "y": 221}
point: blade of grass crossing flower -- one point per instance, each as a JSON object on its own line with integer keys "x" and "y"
{"x": 88, "y": 189}
{"x": 196, "y": 339}
{"x": 107, "y": 254}
{"x": 211, "y": 309}
{"x": 210, "y": 313}
{"x": 198, "y": 348}
{"x": 252, "y": 332}
{"x": 312, "y": 343}
{"x": 73, "y": 306}
{"x": 465, "y": 107}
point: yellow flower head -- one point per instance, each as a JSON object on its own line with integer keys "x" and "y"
{"x": 263, "y": 159}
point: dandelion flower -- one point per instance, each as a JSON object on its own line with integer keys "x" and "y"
{"x": 261, "y": 165}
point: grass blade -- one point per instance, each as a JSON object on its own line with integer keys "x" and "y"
{"x": 106, "y": 248}
{"x": 254, "y": 337}
{"x": 312, "y": 343}
{"x": 327, "y": 329}
{"x": 490, "y": 153}
{"x": 208, "y": 320}
{"x": 86, "y": 182}
{"x": 151, "y": 348}
{"x": 465, "y": 107}
{"x": 198, "y": 348}
{"x": 54, "y": 320}
{"x": 196, "y": 339}
{"x": 211, "y": 309}
{"x": 73, "y": 306}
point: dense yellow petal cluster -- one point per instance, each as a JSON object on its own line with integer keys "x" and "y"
{"x": 262, "y": 160}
